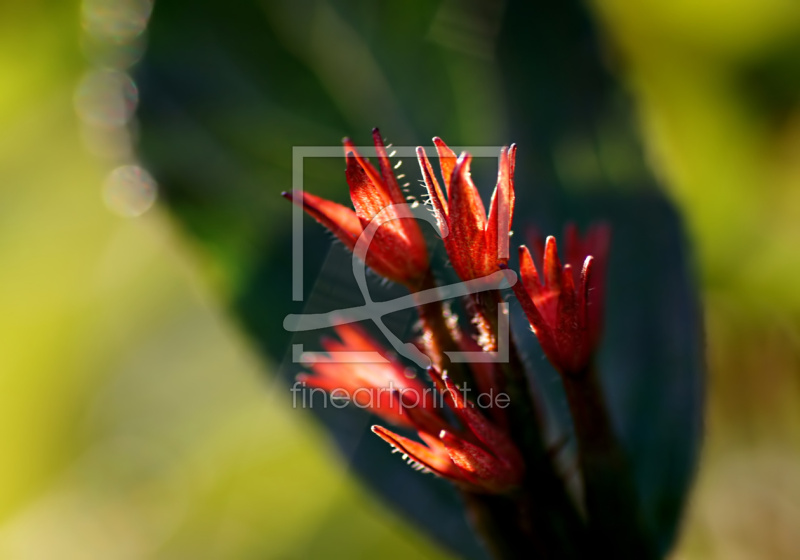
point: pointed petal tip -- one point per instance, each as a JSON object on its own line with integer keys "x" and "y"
{"x": 551, "y": 252}
{"x": 449, "y": 439}
{"x": 377, "y": 139}
{"x": 588, "y": 265}
{"x": 434, "y": 373}
{"x": 449, "y": 384}
{"x": 384, "y": 434}
{"x": 436, "y": 376}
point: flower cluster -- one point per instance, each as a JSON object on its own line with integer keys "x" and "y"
{"x": 562, "y": 302}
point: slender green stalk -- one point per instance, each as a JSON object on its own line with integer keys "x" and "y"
{"x": 610, "y": 496}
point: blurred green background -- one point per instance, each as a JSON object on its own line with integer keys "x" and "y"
{"x": 137, "y": 422}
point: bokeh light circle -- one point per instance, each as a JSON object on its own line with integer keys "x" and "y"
{"x": 116, "y": 21}
{"x": 130, "y": 191}
{"x": 106, "y": 98}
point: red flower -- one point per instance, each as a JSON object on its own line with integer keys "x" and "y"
{"x": 385, "y": 388}
{"x": 481, "y": 458}
{"x": 566, "y": 315}
{"x": 397, "y": 251}
{"x": 475, "y": 244}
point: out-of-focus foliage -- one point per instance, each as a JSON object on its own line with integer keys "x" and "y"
{"x": 134, "y": 422}
{"x": 718, "y": 89}
{"x": 134, "y": 425}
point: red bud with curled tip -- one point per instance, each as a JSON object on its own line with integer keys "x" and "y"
{"x": 397, "y": 250}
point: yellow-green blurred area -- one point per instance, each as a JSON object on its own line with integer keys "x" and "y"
{"x": 136, "y": 422}
{"x": 711, "y": 80}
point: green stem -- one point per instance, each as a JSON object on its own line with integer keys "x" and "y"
{"x": 612, "y": 504}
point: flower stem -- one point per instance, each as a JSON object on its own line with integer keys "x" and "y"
{"x": 541, "y": 514}
{"x": 612, "y": 504}
{"x": 437, "y": 337}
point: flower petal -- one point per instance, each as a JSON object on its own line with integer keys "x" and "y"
{"x": 447, "y": 162}
{"x": 568, "y": 333}
{"x": 356, "y": 338}
{"x": 367, "y": 192}
{"x": 437, "y": 461}
{"x": 478, "y": 464}
{"x": 551, "y": 266}
{"x": 501, "y": 208}
{"x": 434, "y": 191}
{"x": 389, "y": 180}
{"x": 540, "y": 327}
{"x": 545, "y": 300}
{"x": 494, "y": 439}
{"x": 466, "y": 244}
{"x": 592, "y": 295}
{"x": 342, "y": 221}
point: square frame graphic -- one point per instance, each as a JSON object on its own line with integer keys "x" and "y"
{"x": 299, "y": 154}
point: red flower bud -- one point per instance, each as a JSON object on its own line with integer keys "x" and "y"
{"x": 565, "y": 315}
{"x": 474, "y": 244}
{"x": 397, "y": 250}
{"x": 482, "y": 459}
